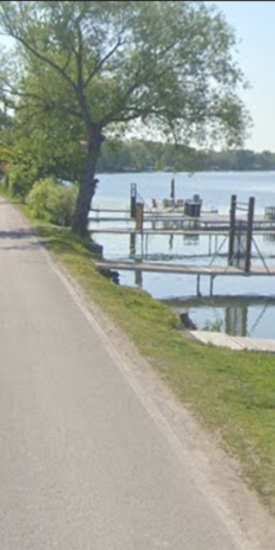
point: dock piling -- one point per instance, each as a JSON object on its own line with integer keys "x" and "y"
{"x": 198, "y": 285}
{"x": 210, "y": 245}
{"x": 249, "y": 234}
{"x": 138, "y": 278}
{"x": 133, "y": 242}
{"x": 172, "y": 194}
{"x": 139, "y": 216}
{"x": 133, "y": 200}
{"x": 232, "y": 229}
{"x": 212, "y": 277}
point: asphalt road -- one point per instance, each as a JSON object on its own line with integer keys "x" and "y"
{"x": 85, "y": 463}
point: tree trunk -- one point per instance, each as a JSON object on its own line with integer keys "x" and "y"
{"x": 87, "y": 185}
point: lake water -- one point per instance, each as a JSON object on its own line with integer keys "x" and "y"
{"x": 242, "y": 305}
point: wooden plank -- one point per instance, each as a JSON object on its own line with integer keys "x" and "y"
{"x": 172, "y": 231}
{"x": 162, "y": 231}
{"x": 258, "y": 344}
{"x": 176, "y": 216}
{"x": 217, "y": 339}
{"x": 184, "y": 269}
{"x": 235, "y": 343}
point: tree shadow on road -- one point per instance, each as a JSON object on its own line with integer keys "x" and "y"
{"x": 22, "y": 235}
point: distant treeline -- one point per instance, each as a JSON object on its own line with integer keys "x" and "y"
{"x": 142, "y": 156}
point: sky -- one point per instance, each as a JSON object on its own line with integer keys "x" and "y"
{"x": 254, "y": 23}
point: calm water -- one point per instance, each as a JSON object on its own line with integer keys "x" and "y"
{"x": 254, "y": 315}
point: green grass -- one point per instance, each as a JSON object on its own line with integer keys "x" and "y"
{"x": 231, "y": 393}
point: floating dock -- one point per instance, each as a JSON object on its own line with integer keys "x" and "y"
{"x": 211, "y": 271}
{"x": 176, "y": 224}
{"x": 158, "y": 267}
{"x": 236, "y": 343}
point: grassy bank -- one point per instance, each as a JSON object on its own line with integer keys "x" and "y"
{"x": 232, "y": 393}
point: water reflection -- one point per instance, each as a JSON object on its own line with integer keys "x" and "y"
{"x": 191, "y": 240}
{"x": 269, "y": 238}
{"x": 236, "y": 320}
{"x": 171, "y": 248}
{"x": 234, "y": 315}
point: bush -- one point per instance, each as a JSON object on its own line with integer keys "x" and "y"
{"x": 52, "y": 201}
{"x": 19, "y": 181}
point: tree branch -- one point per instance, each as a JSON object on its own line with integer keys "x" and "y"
{"x": 39, "y": 99}
{"x": 61, "y": 70}
{"x": 136, "y": 112}
{"x": 100, "y": 64}
{"x": 111, "y": 117}
{"x": 51, "y": 107}
{"x": 31, "y": 116}
{"x": 79, "y": 87}
{"x": 15, "y": 92}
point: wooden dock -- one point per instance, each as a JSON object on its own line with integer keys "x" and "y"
{"x": 164, "y": 231}
{"x": 236, "y": 343}
{"x": 239, "y": 227}
{"x": 211, "y": 271}
{"x": 170, "y": 223}
{"x": 159, "y": 267}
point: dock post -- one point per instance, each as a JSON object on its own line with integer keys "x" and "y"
{"x": 249, "y": 233}
{"x": 171, "y": 241}
{"x": 210, "y": 245}
{"x": 139, "y": 216}
{"x": 198, "y": 285}
{"x": 133, "y": 200}
{"x": 142, "y": 246}
{"x": 172, "y": 194}
{"x": 212, "y": 277}
{"x": 133, "y": 241}
{"x": 138, "y": 278}
{"x": 232, "y": 229}
{"x": 147, "y": 245}
{"x": 139, "y": 224}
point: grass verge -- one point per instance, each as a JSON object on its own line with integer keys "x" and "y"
{"x": 231, "y": 393}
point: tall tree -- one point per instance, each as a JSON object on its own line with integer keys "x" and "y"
{"x": 105, "y": 65}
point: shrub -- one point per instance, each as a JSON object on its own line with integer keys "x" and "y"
{"x": 19, "y": 181}
{"x": 52, "y": 201}
{"x": 5, "y": 181}
{"x": 38, "y": 196}
{"x": 61, "y": 204}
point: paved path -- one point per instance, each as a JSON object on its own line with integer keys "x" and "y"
{"x": 85, "y": 463}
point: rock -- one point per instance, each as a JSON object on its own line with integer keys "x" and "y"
{"x": 96, "y": 248}
{"x": 187, "y": 322}
{"x": 110, "y": 274}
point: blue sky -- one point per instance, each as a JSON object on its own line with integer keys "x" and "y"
{"x": 254, "y": 23}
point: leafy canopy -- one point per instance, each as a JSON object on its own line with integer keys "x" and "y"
{"x": 166, "y": 64}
